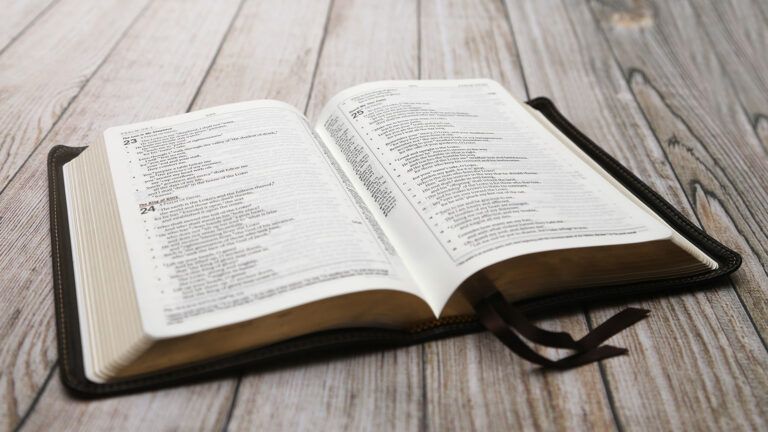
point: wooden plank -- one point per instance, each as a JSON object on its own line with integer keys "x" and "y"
{"x": 17, "y": 16}
{"x": 202, "y": 407}
{"x": 39, "y": 74}
{"x": 254, "y": 64}
{"x": 761, "y": 7}
{"x": 461, "y": 39}
{"x": 741, "y": 395}
{"x": 474, "y": 382}
{"x": 452, "y": 370}
{"x": 695, "y": 114}
{"x": 718, "y": 377}
{"x": 366, "y": 40}
{"x": 738, "y": 33}
{"x": 154, "y": 71}
{"x": 371, "y": 392}
{"x": 45, "y": 69}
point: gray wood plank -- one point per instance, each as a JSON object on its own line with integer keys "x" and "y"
{"x": 254, "y": 64}
{"x": 678, "y": 109}
{"x": 463, "y": 39}
{"x": 17, "y": 16}
{"x": 154, "y": 71}
{"x": 474, "y": 382}
{"x": 362, "y": 392}
{"x": 738, "y": 33}
{"x": 695, "y": 114}
{"x": 366, "y": 40}
{"x": 575, "y": 67}
{"x": 762, "y": 7}
{"x": 39, "y": 74}
{"x": 201, "y": 407}
{"x": 42, "y": 71}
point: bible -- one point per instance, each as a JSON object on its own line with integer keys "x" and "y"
{"x": 220, "y": 238}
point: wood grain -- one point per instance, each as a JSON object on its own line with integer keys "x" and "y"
{"x": 695, "y": 115}
{"x": 738, "y": 33}
{"x": 40, "y": 73}
{"x": 675, "y": 90}
{"x": 154, "y": 71}
{"x": 45, "y": 69}
{"x": 575, "y": 66}
{"x": 472, "y": 382}
{"x": 253, "y": 64}
{"x": 463, "y": 39}
{"x": 17, "y": 16}
{"x": 370, "y": 392}
{"x": 367, "y": 40}
{"x": 201, "y": 407}
{"x": 476, "y": 383}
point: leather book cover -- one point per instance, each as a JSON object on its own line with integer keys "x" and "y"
{"x": 354, "y": 339}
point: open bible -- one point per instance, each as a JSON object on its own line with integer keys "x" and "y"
{"x": 197, "y": 237}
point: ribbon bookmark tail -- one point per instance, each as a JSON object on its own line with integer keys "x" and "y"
{"x": 506, "y": 322}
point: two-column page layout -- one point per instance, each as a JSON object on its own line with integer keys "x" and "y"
{"x": 235, "y": 212}
{"x": 238, "y": 211}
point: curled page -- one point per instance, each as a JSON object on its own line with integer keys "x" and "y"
{"x": 463, "y": 176}
{"x": 238, "y": 211}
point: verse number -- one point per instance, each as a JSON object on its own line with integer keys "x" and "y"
{"x": 127, "y": 141}
{"x": 145, "y": 210}
{"x": 356, "y": 113}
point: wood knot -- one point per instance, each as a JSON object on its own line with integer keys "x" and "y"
{"x": 636, "y": 18}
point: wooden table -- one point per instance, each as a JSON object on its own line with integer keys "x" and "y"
{"x": 678, "y": 91}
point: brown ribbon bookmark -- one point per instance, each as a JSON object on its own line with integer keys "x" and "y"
{"x": 506, "y": 322}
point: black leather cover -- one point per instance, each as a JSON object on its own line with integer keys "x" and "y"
{"x": 358, "y": 339}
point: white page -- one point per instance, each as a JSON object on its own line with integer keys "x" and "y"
{"x": 462, "y": 176}
{"x": 235, "y": 212}
{"x": 86, "y": 332}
